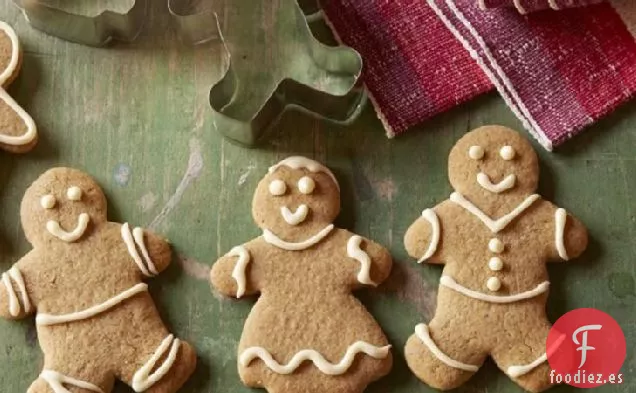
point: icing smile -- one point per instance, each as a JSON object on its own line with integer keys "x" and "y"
{"x": 507, "y": 183}
{"x": 54, "y": 229}
{"x": 296, "y": 217}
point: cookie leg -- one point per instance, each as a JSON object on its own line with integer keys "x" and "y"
{"x": 163, "y": 371}
{"x": 441, "y": 356}
{"x": 84, "y": 381}
{"x": 525, "y": 358}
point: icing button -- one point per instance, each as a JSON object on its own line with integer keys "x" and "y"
{"x": 493, "y": 284}
{"x": 496, "y": 246}
{"x": 495, "y": 264}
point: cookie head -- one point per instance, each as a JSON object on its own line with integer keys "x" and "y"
{"x": 296, "y": 194}
{"x": 62, "y": 205}
{"x": 493, "y": 161}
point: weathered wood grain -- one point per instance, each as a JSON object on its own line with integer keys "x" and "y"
{"x": 136, "y": 117}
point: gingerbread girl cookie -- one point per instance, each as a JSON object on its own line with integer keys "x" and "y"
{"x": 95, "y": 318}
{"x": 307, "y": 332}
{"x": 18, "y": 132}
{"x": 494, "y": 236}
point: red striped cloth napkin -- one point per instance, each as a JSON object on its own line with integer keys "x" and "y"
{"x": 525, "y": 6}
{"x": 558, "y": 71}
{"x": 414, "y": 67}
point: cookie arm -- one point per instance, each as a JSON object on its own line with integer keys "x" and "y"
{"x": 230, "y": 274}
{"x": 423, "y": 237}
{"x": 375, "y": 261}
{"x": 16, "y": 300}
{"x": 570, "y": 236}
{"x": 149, "y": 251}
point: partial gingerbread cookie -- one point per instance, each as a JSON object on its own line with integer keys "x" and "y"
{"x": 95, "y": 318}
{"x": 18, "y": 132}
{"x": 494, "y": 236}
{"x": 307, "y": 332}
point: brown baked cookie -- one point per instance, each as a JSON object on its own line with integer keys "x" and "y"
{"x": 18, "y": 132}
{"x": 307, "y": 332}
{"x": 494, "y": 236}
{"x": 95, "y": 318}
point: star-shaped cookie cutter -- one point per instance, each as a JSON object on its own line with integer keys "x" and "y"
{"x": 93, "y": 30}
{"x": 316, "y": 79}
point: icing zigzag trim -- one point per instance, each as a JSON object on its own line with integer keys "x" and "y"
{"x": 316, "y": 358}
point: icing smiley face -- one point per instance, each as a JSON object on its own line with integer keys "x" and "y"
{"x": 297, "y": 195}
{"x": 62, "y": 205}
{"x": 493, "y": 160}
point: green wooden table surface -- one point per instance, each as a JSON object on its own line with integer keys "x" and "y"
{"x": 136, "y": 117}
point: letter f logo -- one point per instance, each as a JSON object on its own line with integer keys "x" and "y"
{"x": 584, "y": 348}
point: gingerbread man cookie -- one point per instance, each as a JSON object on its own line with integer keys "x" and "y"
{"x": 307, "y": 332}
{"x": 18, "y": 132}
{"x": 95, "y": 318}
{"x": 494, "y": 236}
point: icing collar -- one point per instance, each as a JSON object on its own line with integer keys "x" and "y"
{"x": 494, "y": 225}
{"x": 274, "y": 240}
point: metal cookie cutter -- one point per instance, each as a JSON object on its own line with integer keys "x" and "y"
{"x": 275, "y": 64}
{"x": 65, "y": 20}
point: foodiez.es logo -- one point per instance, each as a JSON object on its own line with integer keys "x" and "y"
{"x": 586, "y": 348}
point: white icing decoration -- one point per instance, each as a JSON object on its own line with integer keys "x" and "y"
{"x": 143, "y": 379}
{"x": 57, "y": 381}
{"x": 274, "y": 240}
{"x": 306, "y": 185}
{"x": 507, "y": 153}
{"x": 238, "y": 273}
{"x": 82, "y": 223}
{"x": 496, "y": 246}
{"x": 476, "y": 152}
{"x": 507, "y": 183}
{"x": 296, "y": 217}
{"x": 15, "y": 53}
{"x": 494, "y": 225}
{"x": 298, "y": 162}
{"x": 74, "y": 193}
{"x": 47, "y": 201}
{"x": 15, "y": 307}
{"x": 49, "y": 319}
{"x": 493, "y": 284}
{"x": 6, "y": 74}
{"x": 423, "y": 334}
{"x": 316, "y": 358}
{"x": 277, "y": 187}
{"x": 450, "y": 283}
{"x": 517, "y": 371}
{"x": 560, "y": 218}
{"x": 137, "y": 237}
{"x": 495, "y": 264}
{"x": 354, "y": 251}
{"x": 430, "y": 216}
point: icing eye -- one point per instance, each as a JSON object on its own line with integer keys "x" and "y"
{"x": 74, "y": 193}
{"x": 476, "y": 152}
{"x": 507, "y": 153}
{"x": 306, "y": 185}
{"x": 277, "y": 187}
{"x": 47, "y": 201}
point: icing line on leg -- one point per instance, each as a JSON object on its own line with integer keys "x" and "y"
{"x": 422, "y": 333}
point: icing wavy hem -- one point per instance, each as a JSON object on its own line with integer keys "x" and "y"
{"x": 315, "y": 357}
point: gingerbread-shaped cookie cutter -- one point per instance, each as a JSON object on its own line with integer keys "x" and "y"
{"x": 329, "y": 90}
{"x": 245, "y": 120}
{"x": 93, "y": 30}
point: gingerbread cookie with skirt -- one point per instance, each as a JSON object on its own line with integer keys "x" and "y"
{"x": 95, "y": 319}
{"x": 307, "y": 332}
{"x": 493, "y": 236}
{"x": 18, "y": 133}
